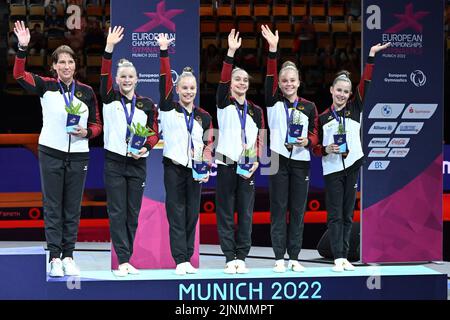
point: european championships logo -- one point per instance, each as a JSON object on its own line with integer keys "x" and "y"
{"x": 144, "y": 39}
{"x": 408, "y": 19}
{"x": 405, "y": 33}
{"x": 160, "y": 17}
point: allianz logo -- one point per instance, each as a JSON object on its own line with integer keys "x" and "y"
{"x": 382, "y": 128}
{"x": 388, "y": 127}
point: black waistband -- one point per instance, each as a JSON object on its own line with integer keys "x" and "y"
{"x": 118, "y": 157}
{"x": 72, "y": 156}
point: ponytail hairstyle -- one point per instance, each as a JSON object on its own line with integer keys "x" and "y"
{"x": 187, "y": 72}
{"x": 237, "y": 69}
{"x": 289, "y": 65}
{"x": 124, "y": 63}
{"x": 342, "y": 75}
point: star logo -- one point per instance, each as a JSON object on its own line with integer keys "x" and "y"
{"x": 160, "y": 17}
{"x": 408, "y": 19}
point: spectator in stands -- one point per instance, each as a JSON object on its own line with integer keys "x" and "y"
{"x": 212, "y": 58}
{"x": 55, "y": 25}
{"x": 94, "y": 36}
{"x": 12, "y": 43}
{"x": 249, "y": 59}
{"x": 76, "y": 37}
{"x": 51, "y": 6}
{"x": 355, "y": 8}
{"x": 288, "y": 186}
{"x": 349, "y": 59}
{"x": 327, "y": 60}
{"x": 305, "y": 36}
{"x": 93, "y": 2}
{"x": 63, "y": 155}
{"x": 341, "y": 163}
{"x": 38, "y": 42}
{"x": 125, "y": 173}
{"x": 239, "y": 146}
{"x": 187, "y": 131}
{"x": 75, "y": 2}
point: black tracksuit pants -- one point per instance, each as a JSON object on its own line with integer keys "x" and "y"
{"x": 182, "y": 207}
{"x": 288, "y": 193}
{"x": 62, "y": 183}
{"x": 234, "y": 192}
{"x": 340, "y": 194}
{"x": 124, "y": 183}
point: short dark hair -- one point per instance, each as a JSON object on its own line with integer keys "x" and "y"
{"x": 60, "y": 50}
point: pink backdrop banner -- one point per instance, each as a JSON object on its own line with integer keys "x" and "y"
{"x": 152, "y": 243}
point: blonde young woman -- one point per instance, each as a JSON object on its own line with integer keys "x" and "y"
{"x": 341, "y": 164}
{"x": 240, "y": 122}
{"x": 187, "y": 132}
{"x": 125, "y": 172}
{"x": 289, "y": 185}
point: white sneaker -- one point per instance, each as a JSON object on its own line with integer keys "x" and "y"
{"x": 348, "y": 266}
{"x": 181, "y": 269}
{"x": 240, "y": 267}
{"x": 122, "y": 271}
{"x": 295, "y": 266}
{"x": 56, "y": 268}
{"x": 131, "y": 269}
{"x": 279, "y": 266}
{"x": 338, "y": 265}
{"x": 70, "y": 268}
{"x": 190, "y": 268}
{"x": 230, "y": 267}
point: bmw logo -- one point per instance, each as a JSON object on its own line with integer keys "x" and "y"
{"x": 387, "y": 110}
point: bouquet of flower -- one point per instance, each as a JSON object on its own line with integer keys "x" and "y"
{"x": 140, "y": 134}
{"x": 200, "y": 166}
{"x": 246, "y": 161}
{"x": 340, "y": 139}
{"x": 295, "y": 128}
{"x": 73, "y": 116}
